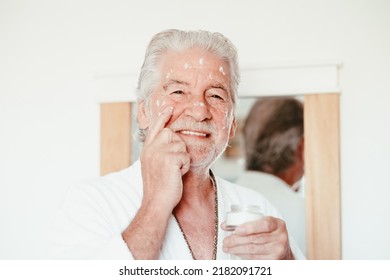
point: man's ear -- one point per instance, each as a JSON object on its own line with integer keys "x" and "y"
{"x": 233, "y": 128}
{"x": 142, "y": 116}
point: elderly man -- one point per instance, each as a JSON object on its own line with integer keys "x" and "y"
{"x": 169, "y": 205}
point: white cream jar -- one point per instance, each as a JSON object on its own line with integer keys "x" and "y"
{"x": 240, "y": 214}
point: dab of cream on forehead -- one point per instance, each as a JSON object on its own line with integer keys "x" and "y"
{"x": 187, "y": 65}
{"x": 222, "y": 71}
{"x": 168, "y": 74}
{"x": 201, "y": 61}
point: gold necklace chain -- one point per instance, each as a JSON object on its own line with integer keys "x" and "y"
{"x": 215, "y": 241}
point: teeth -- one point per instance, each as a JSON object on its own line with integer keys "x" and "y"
{"x": 193, "y": 133}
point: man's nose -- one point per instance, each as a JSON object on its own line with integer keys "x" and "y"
{"x": 198, "y": 108}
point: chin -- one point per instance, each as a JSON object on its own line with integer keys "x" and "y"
{"x": 203, "y": 159}
{"x": 200, "y": 162}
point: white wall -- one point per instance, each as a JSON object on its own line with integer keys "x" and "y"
{"x": 49, "y": 118}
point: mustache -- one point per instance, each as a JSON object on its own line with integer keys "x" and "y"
{"x": 206, "y": 127}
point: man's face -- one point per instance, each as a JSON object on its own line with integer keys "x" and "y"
{"x": 197, "y": 85}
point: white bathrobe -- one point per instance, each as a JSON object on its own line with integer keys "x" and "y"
{"x": 96, "y": 212}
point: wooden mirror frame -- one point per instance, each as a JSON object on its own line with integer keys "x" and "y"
{"x": 318, "y": 82}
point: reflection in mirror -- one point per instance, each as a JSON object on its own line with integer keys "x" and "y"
{"x": 267, "y": 155}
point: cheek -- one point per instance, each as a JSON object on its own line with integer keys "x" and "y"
{"x": 179, "y": 105}
{"x": 225, "y": 117}
{"x": 228, "y": 118}
{"x": 159, "y": 104}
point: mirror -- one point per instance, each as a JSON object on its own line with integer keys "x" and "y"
{"x": 277, "y": 187}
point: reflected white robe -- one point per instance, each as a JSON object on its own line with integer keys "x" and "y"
{"x": 95, "y": 213}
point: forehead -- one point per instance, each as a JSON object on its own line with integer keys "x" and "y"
{"x": 193, "y": 61}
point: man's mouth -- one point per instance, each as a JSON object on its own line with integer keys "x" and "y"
{"x": 194, "y": 133}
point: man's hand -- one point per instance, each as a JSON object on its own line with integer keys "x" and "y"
{"x": 164, "y": 160}
{"x": 265, "y": 239}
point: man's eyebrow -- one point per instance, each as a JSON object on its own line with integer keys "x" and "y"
{"x": 220, "y": 86}
{"x": 174, "y": 82}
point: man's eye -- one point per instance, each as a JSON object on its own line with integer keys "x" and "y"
{"x": 217, "y": 96}
{"x": 177, "y": 92}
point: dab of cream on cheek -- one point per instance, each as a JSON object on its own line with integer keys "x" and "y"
{"x": 227, "y": 119}
{"x": 160, "y": 102}
{"x": 201, "y": 61}
{"x": 187, "y": 65}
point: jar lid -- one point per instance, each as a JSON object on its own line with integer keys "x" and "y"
{"x": 248, "y": 208}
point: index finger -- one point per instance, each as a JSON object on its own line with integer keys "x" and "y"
{"x": 160, "y": 123}
{"x": 263, "y": 225}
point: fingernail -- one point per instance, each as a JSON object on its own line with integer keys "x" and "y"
{"x": 168, "y": 109}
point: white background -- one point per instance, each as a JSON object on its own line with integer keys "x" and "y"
{"x": 49, "y": 111}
